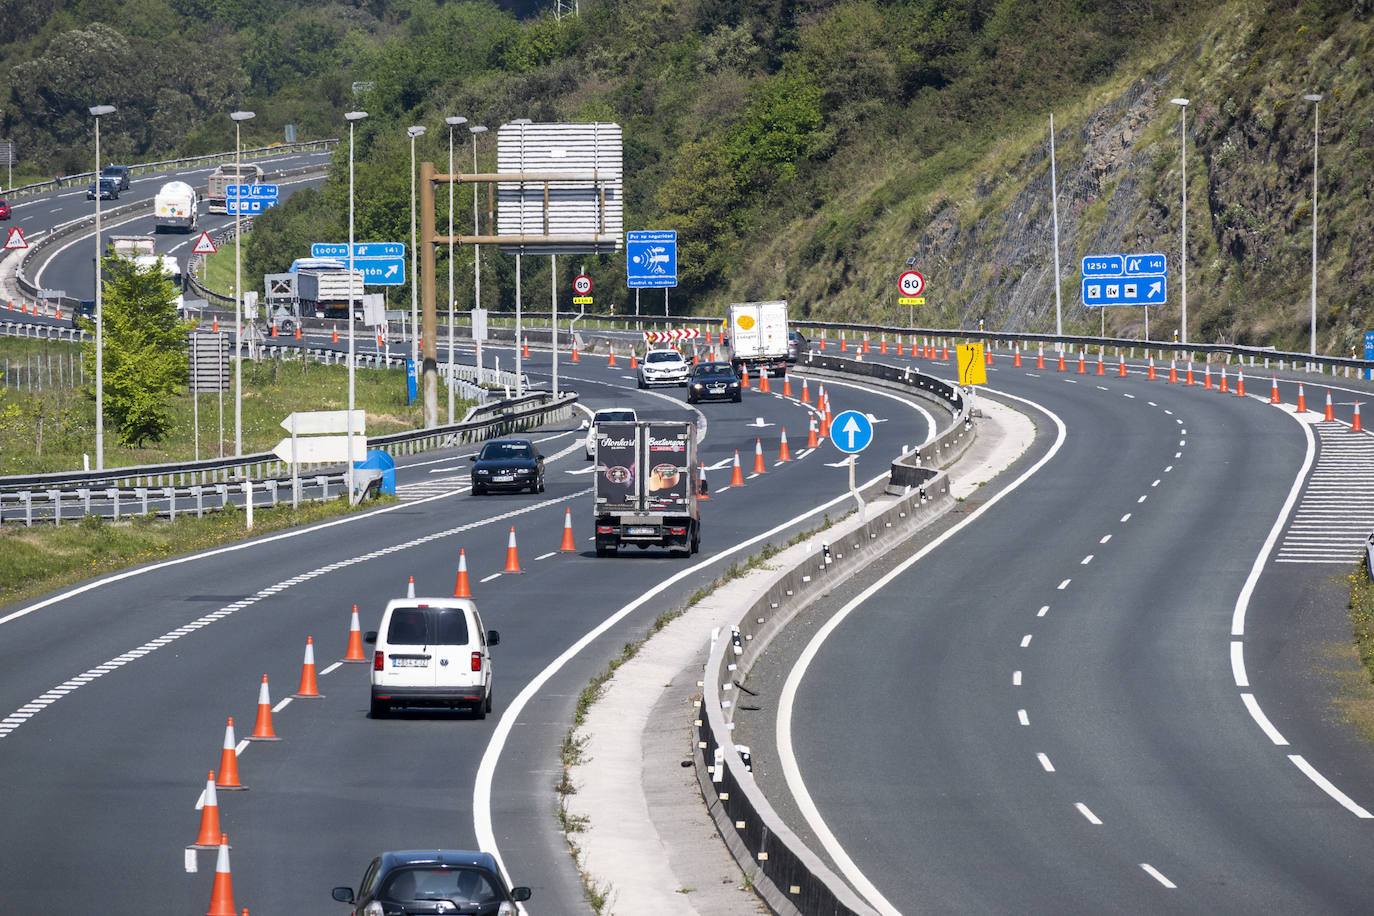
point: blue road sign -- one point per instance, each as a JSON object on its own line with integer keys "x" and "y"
{"x": 249, "y": 198}
{"x": 1125, "y": 279}
{"x": 381, "y": 263}
{"x": 651, "y": 258}
{"x": 851, "y": 431}
{"x": 1369, "y": 352}
{"x": 382, "y": 271}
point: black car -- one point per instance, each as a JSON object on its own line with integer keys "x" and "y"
{"x": 713, "y": 380}
{"x": 797, "y": 344}
{"x": 118, "y": 173}
{"x": 414, "y": 881}
{"x": 508, "y": 464}
{"x": 108, "y": 189}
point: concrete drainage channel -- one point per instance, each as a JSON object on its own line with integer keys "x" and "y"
{"x": 744, "y": 616}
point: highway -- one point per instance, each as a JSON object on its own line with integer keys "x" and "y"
{"x": 1070, "y": 731}
{"x": 1042, "y": 713}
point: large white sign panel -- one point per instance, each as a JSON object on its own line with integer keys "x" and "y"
{"x": 590, "y": 206}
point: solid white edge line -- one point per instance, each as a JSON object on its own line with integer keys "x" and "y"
{"x": 791, "y": 770}
{"x": 1155, "y": 873}
{"x": 1326, "y": 786}
{"x": 1262, "y": 720}
{"x": 1238, "y": 663}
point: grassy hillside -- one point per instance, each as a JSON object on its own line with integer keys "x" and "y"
{"x": 801, "y": 148}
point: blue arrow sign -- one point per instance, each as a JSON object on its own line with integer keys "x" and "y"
{"x": 1125, "y": 279}
{"x": 251, "y": 191}
{"x": 382, "y": 271}
{"x": 651, "y": 258}
{"x": 851, "y": 431}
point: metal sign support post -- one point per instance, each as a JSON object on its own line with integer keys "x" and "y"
{"x": 296, "y": 465}
{"x": 553, "y": 308}
{"x": 854, "y": 490}
{"x": 519, "y": 385}
{"x": 428, "y": 331}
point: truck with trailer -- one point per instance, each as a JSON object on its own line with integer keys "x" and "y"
{"x": 175, "y": 207}
{"x": 756, "y": 335}
{"x": 217, "y": 186}
{"x": 320, "y": 292}
{"x": 646, "y": 486}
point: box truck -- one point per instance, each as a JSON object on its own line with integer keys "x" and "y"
{"x": 646, "y": 486}
{"x": 756, "y": 333}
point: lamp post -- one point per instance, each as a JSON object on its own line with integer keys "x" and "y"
{"x": 352, "y": 117}
{"x": 413, "y": 132}
{"x": 519, "y": 331}
{"x": 238, "y": 117}
{"x": 452, "y": 121}
{"x": 98, "y": 111}
{"x": 1054, "y": 210}
{"x": 476, "y": 129}
{"x": 1183, "y": 247}
{"x": 1315, "y": 98}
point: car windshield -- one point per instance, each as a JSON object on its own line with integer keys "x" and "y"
{"x": 503, "y": 451}
{"x": 414, "y": 626}
{"x": 457, "y": 885}
{"x": 713, "y": 369}
{"x": 664, "y": 356}
{"x": 615, "y": 416}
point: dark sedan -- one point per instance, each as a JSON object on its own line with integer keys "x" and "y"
{"x": 713, "y": 380}
{"x": 107, "y": 188}
{"x": 508, "y": 464}
{"x": 416, "y": 881}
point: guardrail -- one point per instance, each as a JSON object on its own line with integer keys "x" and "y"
{"x": 164, "y": 164}
{"x": 213, "y": 483}
{"x": 785, "y": 872}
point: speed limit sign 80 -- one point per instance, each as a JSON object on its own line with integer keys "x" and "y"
{"x": 911, "y": 283}
{"x": 582, "y": 285}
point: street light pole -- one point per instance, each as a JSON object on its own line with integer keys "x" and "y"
{"x": 1054, "y": 209}
{"x": 476, "y": 129}
{"x": 352, "y": 117}
{"x": 413, "y": 132}
{"x": 98, "y": 111}
{"x": 238, "y": 117}
{"x": 1183, "y": 247}
{"x": 452, "y": 121}
{"x": 1315, "y": 98}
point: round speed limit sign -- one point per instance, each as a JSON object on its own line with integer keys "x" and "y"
{"x": 582, "y": 285}
{"x": 911, "y": 283}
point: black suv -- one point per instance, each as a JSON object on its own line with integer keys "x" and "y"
{"x": 416, "y": 881}
{"x": 119, "y": 173}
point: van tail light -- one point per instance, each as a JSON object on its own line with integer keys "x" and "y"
{"x": 605, "y": 529}
{"x": 678, "y": 530}
{"x": 378, "y": 660}
{"x": 477, "y": 661}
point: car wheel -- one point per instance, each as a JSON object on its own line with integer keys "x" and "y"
{"x": 641, "y": 384}
{"x": 691, "y": 399}
{"x": 479, "y": 491}
{"x": 489, "y": 693}
{"x": 738, "y": 397}
{"x": 379, "y": 709}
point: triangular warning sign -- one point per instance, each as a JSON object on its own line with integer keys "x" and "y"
{"x": 204, "y": 245}
{"x": 16, "y": 239}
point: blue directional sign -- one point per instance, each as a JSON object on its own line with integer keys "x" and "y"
{"x": 249, "y": 198}
{"x": 851, "y": 431}
{"x": 1369, "y": 352}
{"x": 651, "y": 258}
{"x": 381, "y": 263}
{"x": 1125, "y": 279}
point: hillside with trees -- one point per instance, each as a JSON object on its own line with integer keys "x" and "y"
{"x": 805, "y": 149}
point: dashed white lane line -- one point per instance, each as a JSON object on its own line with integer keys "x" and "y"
{"x": 1086, "y": 560}
{"x": 1262, "y": 720}
{"x": 240, "y": 748}
{"x": 1178, "y": 454}
{"x": 490, "y": 577}
{"x": 1105, "y": 539}
{"x": 1126, "y": 518}
{"x": 545, "y": 556}
{"x": 1043, "y": 611}
{"x": 1022, "y": 717}
{"x": 332, "y": 668}
{"x": 1045, "y": 762}
{"x": 1025, "y": 640}
{"x": 1154, "y": 873}
{"x": 1142, "y": 498}
{"x": 1063, "y": 585}
{"x": 1016, "y": 679}
{"x": 282, "y": 705}
{"x": 1131, "y": 396}
{"x": 1168, "y": 468}
{"x": 1086, "y": 812}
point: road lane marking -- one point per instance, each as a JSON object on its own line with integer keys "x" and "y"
{"x": 332, "y": 668}
{"x": 1016, "y": 679}
{"x": 1325, "y": 785}
{"x": 1105, "y": 539}
{"x": 545, "y": 556}
{"x": 1083, "y": 810}
{"x": 1043, "y": 611}
{"x": 490, "y": 577}
{"x": 1045, "y": 762}
{"x": 1086, "y": 560}
{"x": 282, "y": 704}
{"x": 1126, "y": 518}
{"x": 1154, "y": 873}
{"x": 1025, "y": 640}
{"x": 1262, "y": 720}
{"x": 1022, "y": 717}
{"x": 1142, "y": 498}
{"x": 1063, "y": 585}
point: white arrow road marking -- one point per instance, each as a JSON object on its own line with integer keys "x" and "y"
{"x": 581, "y": 471}
{"x": 873, "y": 419}
{"x": 721, "y": 464}
{"x": 760, "y": 424}
{"x": 838, "y": 464}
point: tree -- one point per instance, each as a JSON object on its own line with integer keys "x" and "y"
{"x": 145, "y": 350}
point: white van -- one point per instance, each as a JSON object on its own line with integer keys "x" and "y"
{"x": 431, "y": 652}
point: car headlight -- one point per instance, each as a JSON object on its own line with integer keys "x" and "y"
{"x": 482, "y": 473}
{"x": 696, "y": 385}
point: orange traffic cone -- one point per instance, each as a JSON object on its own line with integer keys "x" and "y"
{"x": 512, "y": 554}
{"x": 944, "y": 352}
{"x": 308, "y": 687}
{"x": 784, "y": 454}
{"x": 355, "y": 640}
{"x": 844, "y": 344}
{"x": 460, "y": 586}
{"x": 229, "y": 761}
{"x": 1151, "y": 373}
{"x": 610, "y": 360}
{"x": 701, "y": 476}
{"x": 1355, "y": 426}
{"x": 1240, "y": 383}
{"x": 208, "y": 838}
{"x": 1101, "y": 368}
{"x": 1060, "y": 366}
{"x": 1016, "y": 357}
{"x": 708, "y": 334}
{"x": 786, "y": 384}
{"x": 822, "y": 346}
{"x": 744, "y": 377}
{"x": 987, "y": 355}
{"x": 1274, "y": 392}
{"x": 525, "y": 348}
{"x": 1082, "y": 363}
{"x": 882, "y": 344}
{"x": 573, "y": 358}
{"x": 764, "y": 387}
{"x": 1121, "y": 365}
{"x": 1207, "y": 376}
{"x": 1040, "y": 358}
{"x": 298, "y": 332}
{"x": 222, "y": 892}
{"x": 758, "y": 456}
{"x": 737, "y": 475}
{"x": 1330, "y": 415}
{"x": 811, "y": 441}
{"x": 1173, "y": 369}
{"x": 634, "y": 360}
{"x": 1302, "y": 400}
{"x": 568, "y": 543}
{"x": 274, "y": 330}
{"x": 262, "y": 728}
{"x": 866, "y": 350}
{"x": 899, "y": 345}
{"x": 1188, "y": 377}
{"x": 806, "y": 393}
{"x": 1224, "y": 388}
{"x": 214, "y": 324}
{"x": 334, "y": 337}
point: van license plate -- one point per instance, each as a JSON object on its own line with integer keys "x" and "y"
{"x": 642, "y": 529}
{"x": 409, "y": 662}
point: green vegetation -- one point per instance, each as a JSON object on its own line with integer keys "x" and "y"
{"x": 1356, "y": 694}
{"x": 43, "y": 559}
